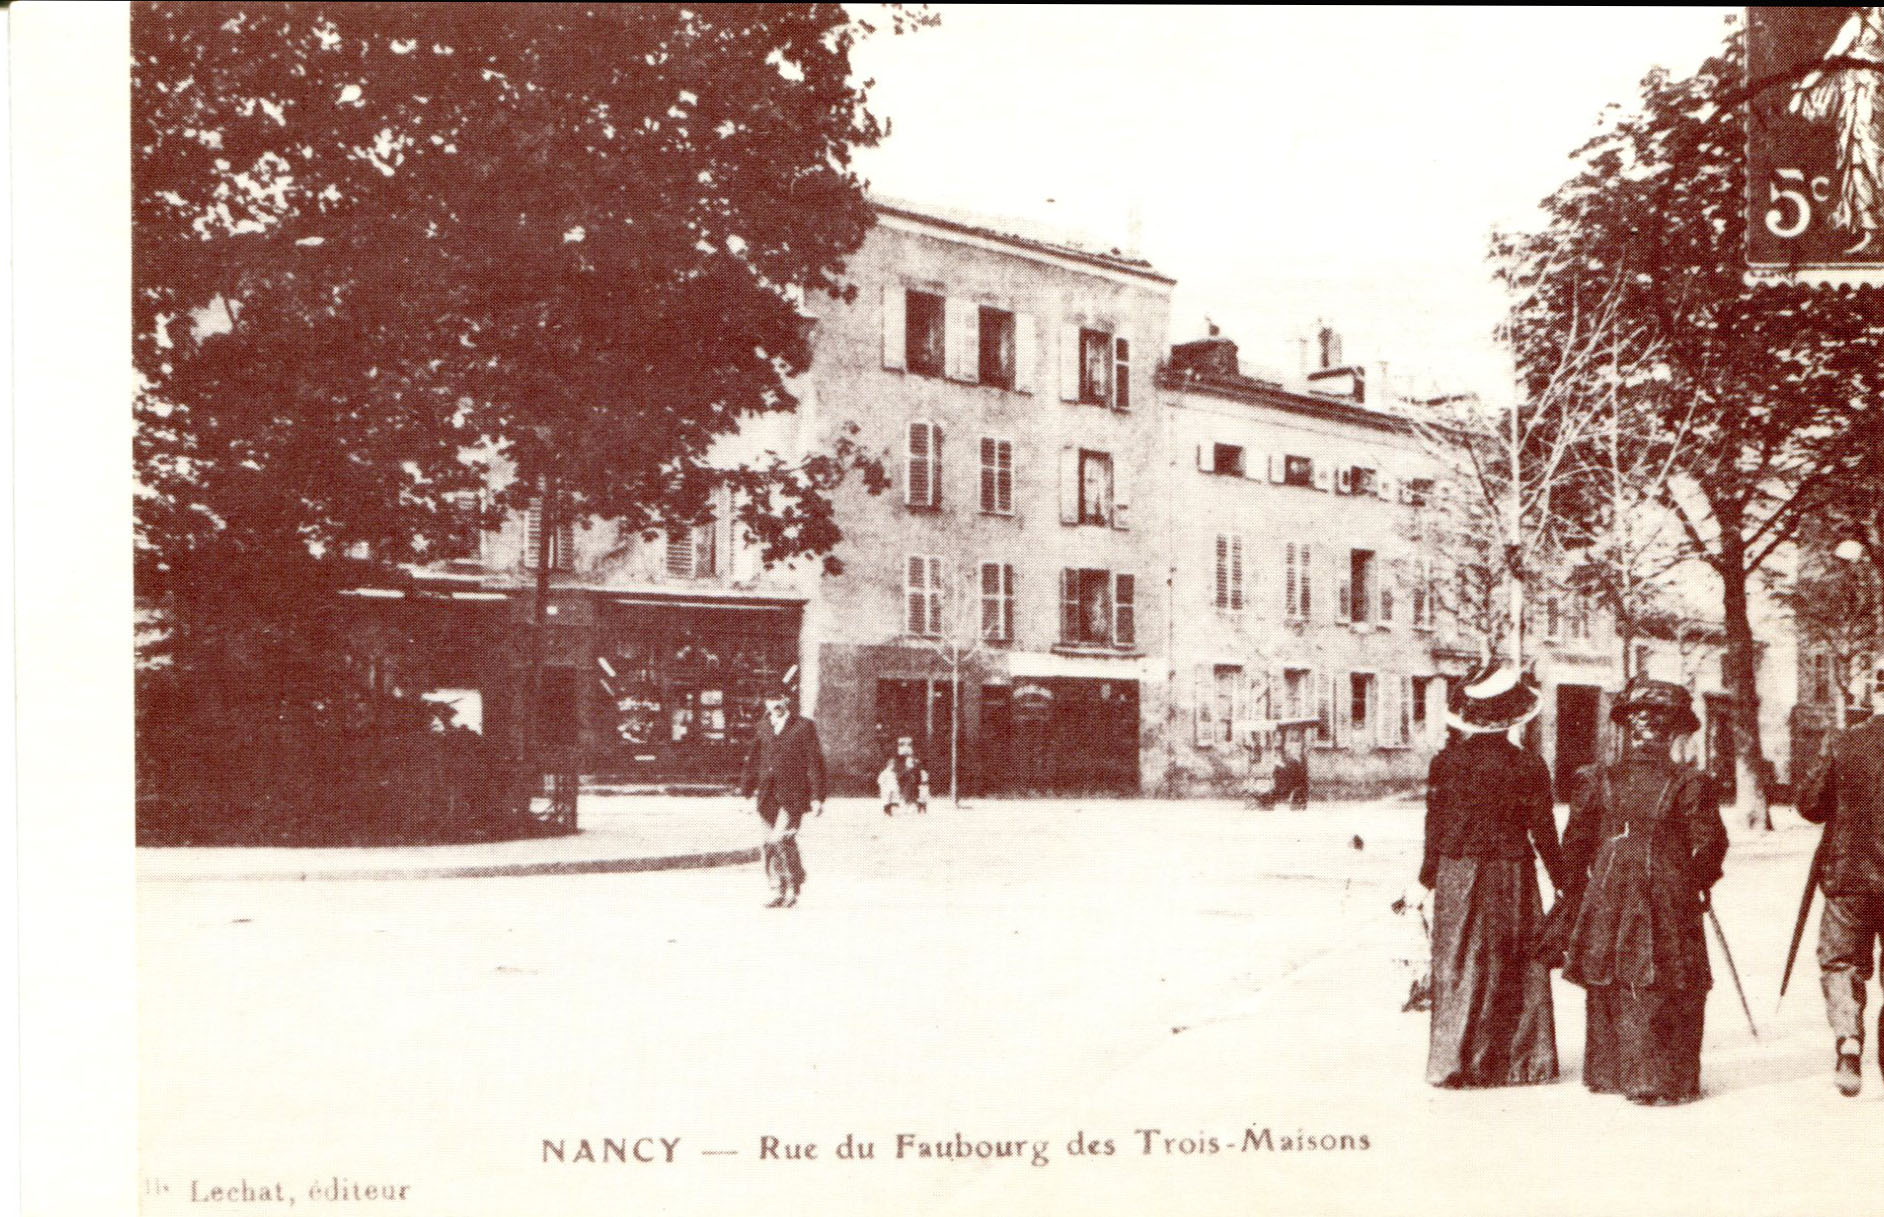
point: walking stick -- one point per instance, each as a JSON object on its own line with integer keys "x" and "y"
{"x": 1805, "y": 911}
{"x": 1727, "y": 953}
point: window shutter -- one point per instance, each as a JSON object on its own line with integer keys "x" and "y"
{"x": 533, "y": 535}
{"x": 1344, "y": 480}
{"x": 1206, "y": 458}
{"x": 1322, "y": 476}
{"x": 1069, "y": 605}
{"x": 1388, "y": 488}
{"x": 1343, "y": 708}
{"x": 1026, "y": 353}
{"x": 1344, "y": 597}
{"x": 1386, "y": 597}
{"x": 1236, "y": 574}
{"x": 895, "y": 327}
{"x": 1121, "y": 373}
{"x": 1291, "y": 605}
{"x": 1121, "y": 495}
{"x": 961, "y": 339}
{"x": 1069, "y": 363}
{"x": 1386, "y": 723}
{"x": 1406, "y": 710}
{"x": 1124, "y": 610}
{"x": 1322, "y": 685}
{"x": 1069, "y": 485}
{"x": 935, "y": 465}
{"x": 914, "y": 613}
{"x": 935, "y": 597}
{"x": 1308, "y": 568}
{"x": 1222, "y": 598}
{"x": 1202, "y": 692}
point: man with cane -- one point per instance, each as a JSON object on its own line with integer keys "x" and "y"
{"x": 785, "y": 774}
{"x": 1848, "y": 798}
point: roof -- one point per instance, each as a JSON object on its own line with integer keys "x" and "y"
{"x": 1006, "y": 232}
{"x": 1266, "y": 393}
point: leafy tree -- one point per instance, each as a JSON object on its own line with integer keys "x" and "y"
{"x": 1764, "y": 386}
{"x": 380, "y": 248}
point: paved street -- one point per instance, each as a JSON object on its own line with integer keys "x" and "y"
{"x": 1011, "y": 971}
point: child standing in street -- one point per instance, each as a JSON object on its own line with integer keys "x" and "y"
{"x": 904, "y": 781}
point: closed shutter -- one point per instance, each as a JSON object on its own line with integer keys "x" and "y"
{"x": 935, "y": 597}
{"x": 1069, "y": 363}
{"x": 915, "y": 611}
{"x": 895, "y": 328}
{"x": 961, "y": 339}
{"x": 1124, "y": 610}
{"x": 1026, "y": 353}
{"x": 918, "y": 467}
{"x": 1069, "y": 485}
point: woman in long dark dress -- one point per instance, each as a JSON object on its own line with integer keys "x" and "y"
{"x": 1645, "y": 843}
{"x": 1488, "y": 812}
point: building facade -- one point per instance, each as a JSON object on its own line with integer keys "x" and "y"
{"x": 999, "y": 602}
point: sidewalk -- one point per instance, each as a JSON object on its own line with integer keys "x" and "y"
{"x": 616, "y": 833}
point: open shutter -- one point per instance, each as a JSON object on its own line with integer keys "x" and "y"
{"x": 1344, "y": 480}
{"x": 1026, "y": 353}
{"x": 1206, "y": 458}
{"x": 1386, "y": 592}
{"x": 1069, "y": 485}
{"x": 1344, "y": 593}
{"x": 1236, "y": 574}
{"x": 1278, "y": 468}
{"x": 935, "y": 465}
{"x": 1322, "y": 475}
{"x": 961, "y": 339}
{"x": 1387, "y": 722}
{"x": 1222, "y": 597}
{"x": 1291, "y": 604}
{"x": 1121, "y": 495}
{"x": 533, "y": 535}
{"x": 1069, "y": 605}
{"x": 895, "y": 328}
{"x": 1343, "y": 685}
{"x": 1304, "y": 580}
{"x": 1321, "y": 686}
{"x": 1406, "y": 711}
{"x": 1069, "y": 363}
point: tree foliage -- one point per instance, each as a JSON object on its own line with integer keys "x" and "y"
{"x": 378, "y": 245}
{"x": 1758, "y": 393}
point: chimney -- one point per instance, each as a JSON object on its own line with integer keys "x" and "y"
{"x": 1212, "y": 356}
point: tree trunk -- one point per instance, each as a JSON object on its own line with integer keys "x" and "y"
{"x": 1742, "y": 665}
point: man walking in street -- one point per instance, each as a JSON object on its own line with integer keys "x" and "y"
{"x": 1848, "y": 798}
{"x": 785, "y": 773}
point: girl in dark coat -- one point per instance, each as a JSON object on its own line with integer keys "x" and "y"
{"x": 1488, "y": 814}
{"x": 1644, "y": 844}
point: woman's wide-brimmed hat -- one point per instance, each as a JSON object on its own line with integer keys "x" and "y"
{"x": 1662, "y": 695}
{"x": 1497, "y": 697}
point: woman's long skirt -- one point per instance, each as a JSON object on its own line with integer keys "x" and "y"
{"x": 1493, "y": 1024}
{"x": 1644, "y": 1043}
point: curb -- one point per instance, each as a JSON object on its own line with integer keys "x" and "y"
{"x": 585, "y": 866}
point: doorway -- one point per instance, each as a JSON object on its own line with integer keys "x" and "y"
{"x": 1577, "y": 707}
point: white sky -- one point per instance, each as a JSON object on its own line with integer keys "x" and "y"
{"x": 1288, "y": 164}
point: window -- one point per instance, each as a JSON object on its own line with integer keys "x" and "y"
{"x": 1358, "y": 592}
{"x": 1124, "y": 610}
{"x": 922, "y": 482}
{"x": 922, "y": 596}
{"x": 690, "y": 550}
{"x": 1324, "y": 708}
{"x": 1553, "y": 621}
{"x": 923, "y": 330}
{"x": 1423, "y": 594}
{"x": 1121, "y": 374}
{"x": 1226, "y": 679}
{"x": 1226, "y": 459}
{"x": 1362, "y": 481}
{"x": 997, "y": 348}
{"x": 1417, "y": 687}
{"x": 1097, "y": 608}
{"x": 1419, "y": 491}
{"x": 1095, "y": 487}
{"x": 997, "y": 476}
{"x": 1298, "y": 471}
{"x": 463, "y": 515}
{"x": 1361, "y": 703}
{"x": 562, "y": 546}
{"x": 1095, "y": 368}
{"x": 1298, "y": 693}
{"x": 1297, "y": 601}
{"x": 1577, "y": 620}
{"x": 997, "y": 602}
{"x": 1229, "y": 585}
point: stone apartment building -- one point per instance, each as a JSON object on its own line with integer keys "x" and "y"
{"x": 1005, "y": 590}
{"x": 1297, "y": 590}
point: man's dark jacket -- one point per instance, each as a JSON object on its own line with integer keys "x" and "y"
{"x": 1848, "y": 798}
{"x": 786, "y": 770}
{"x": 1488, "y": 798}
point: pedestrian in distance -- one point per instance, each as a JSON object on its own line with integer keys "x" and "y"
{"x": 1644, "y": 848}
{"x": 785, "y": 774}
{"x": 1847, "y": 796}
{"x": 1488, "y": 817}
{"x": 903, "y": 781}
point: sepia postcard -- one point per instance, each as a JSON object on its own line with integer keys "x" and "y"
{"x": 728, "y": 609}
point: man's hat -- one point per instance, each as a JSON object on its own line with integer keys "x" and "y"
{"x": 1665, "y": 696}
{"x": 1497, "y": 697}
{"x": 786, "y": 688}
